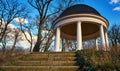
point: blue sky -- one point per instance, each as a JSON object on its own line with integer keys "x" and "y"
{"x": 110, "y": 9}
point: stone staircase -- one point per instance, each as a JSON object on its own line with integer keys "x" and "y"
{"x": 51, "y": 61}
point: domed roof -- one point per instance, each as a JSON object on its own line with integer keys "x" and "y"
{"x": 79, "y": 9}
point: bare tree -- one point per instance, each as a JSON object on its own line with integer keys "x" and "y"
{"x": 49, "y": 41}
{"x": 15, "y": 38}
{"x": 42, "y": 7}
{"x": 26, "y": 29}
{"x": 49, "y": 34}
{"x": 63, "y": 44}
{"x": 114, "y": 34}
{"x": 9, "y": 9}
{"x": 10, "y": 39}
{"x": 45, "y": 9}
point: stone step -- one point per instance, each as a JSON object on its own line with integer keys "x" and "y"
{"x": 63, "y": 58}
{"x": 52, "y": 54}
{"x": 48, "y": 61}
{"x": 44, "y": 63}
{"x": 39, "y": 68}
{"x": 33, "y": 58}
{"x": 48, "y": 58}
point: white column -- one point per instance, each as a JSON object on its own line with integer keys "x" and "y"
{"x": 79, "y": 36}
{"x": 57, "y": 39}
{"x": 106, "y": 38}
{"x": 96, "y": 44}
{"x": 102, "y": 36}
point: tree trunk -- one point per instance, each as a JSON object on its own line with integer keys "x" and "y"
{"x": 46, "y": 47}
{"x": 3, "y": 33}
{"x": 48, "y": 43}
{"x": 30, "y": 47}
{"x": 63, "y": 47}
{"x": 38, "y": 43}
{"x": 15, "y": 41}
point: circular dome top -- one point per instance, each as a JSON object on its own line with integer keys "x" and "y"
{"x": 79, "y": 9}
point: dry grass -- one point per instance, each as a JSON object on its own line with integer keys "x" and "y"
{"x": 8, "y": 56}
{"x": 88, "y": 59}
{"x": 102, "y": 60}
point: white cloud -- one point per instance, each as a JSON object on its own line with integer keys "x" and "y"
{"x": 117, "y": 8}
{"x": 21, "y": 20}
{"x": 11, "y": 26}
{"x": 34, "y": 38}
{"x": 114, "y": 1}
{"x": 23, "y": 44}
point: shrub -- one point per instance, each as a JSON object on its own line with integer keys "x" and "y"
{"x": 90, "y": 59}
{"x": 1, "y": 69}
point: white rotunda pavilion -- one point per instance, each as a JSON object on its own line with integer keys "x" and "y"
{"x": 81, "y": 22}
